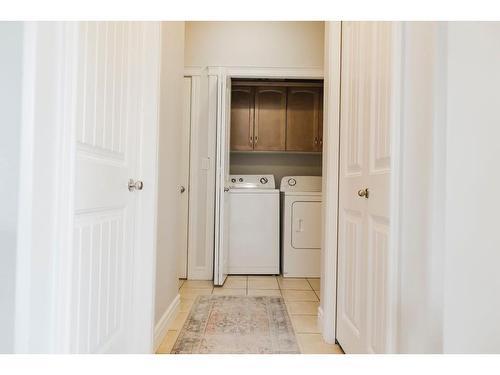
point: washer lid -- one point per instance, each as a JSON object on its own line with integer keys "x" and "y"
{"x": 301, "y": 184}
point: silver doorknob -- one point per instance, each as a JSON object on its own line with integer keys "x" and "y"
{"x": 226, "y": 189}
{"x": 183, "y": 189}
{"x": 363, "y": 193}
{"x": 135, "y": 185}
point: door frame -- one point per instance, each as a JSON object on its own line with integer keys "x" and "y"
{"x": 205, "y": 161}
{"x": 46, "y": 163}
{"x": 327, "y": 314}
{"x": 47, "y": 173}
{"x": 397, "y": 155}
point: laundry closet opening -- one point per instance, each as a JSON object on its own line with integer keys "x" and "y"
{"x": 264, "y": 197}
{"x": 275, "y": 167}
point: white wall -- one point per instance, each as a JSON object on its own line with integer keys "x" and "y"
{"x": 421, "y": 253}
{"x": 242, "y": 44}
{"x": 449, "y": 245}
{"x": 268, "y": 44}
{"x": 11, "y": 45}
{"x": 172, "y": 72}
{"x": 472, "y": 259}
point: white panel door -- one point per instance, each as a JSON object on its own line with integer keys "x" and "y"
{"x": 222, "y": 201}
{"x": 184, "y": 189}
{"x": 364, "y": 164}
{"x": 110, "y": 85}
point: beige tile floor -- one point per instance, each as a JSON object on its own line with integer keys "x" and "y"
{"x": 301, "y": 298}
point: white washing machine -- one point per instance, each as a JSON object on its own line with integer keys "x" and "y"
{"x": 301, "y": 226}
{"x": 254, "y": 225}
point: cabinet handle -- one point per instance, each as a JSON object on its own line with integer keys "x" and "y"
{"x": 315, "y": 140}
{"x": 256, "y": 132}
{"x": 251, "y": 140}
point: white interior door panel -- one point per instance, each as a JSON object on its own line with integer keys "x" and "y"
{"x": 221, "y": 85}
{"x": 364, "y": 164}
{"x": 112, "y": 71}
{"x": 184, "y": 188}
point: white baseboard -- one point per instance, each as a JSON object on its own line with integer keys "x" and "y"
{"x": 165, "y": 321}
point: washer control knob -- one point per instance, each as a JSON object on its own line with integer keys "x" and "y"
{"x": 264, "y": 180}
{"x": 240, "y": 179}
{"x": 233, "y": 180}
{"x": 292, "y": 181}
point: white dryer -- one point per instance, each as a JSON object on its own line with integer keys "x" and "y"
{"x": 301, "y": 226}
{"x": 254, "y": 225}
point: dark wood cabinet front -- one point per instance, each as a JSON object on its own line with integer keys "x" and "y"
{"x": 242, "y": 118}
{"x": 302, "y": 128}
{"x": 277, "y": 116}
{"x": 270, "y": 119}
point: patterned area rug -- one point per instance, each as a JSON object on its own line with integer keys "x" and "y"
{"x": 237, "y": 325}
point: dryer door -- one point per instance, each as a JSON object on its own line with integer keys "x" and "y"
{"x": 306, "y": 225}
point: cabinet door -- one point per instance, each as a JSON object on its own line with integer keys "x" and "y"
{"x": 242, "y": 118}
{"x": 303, "y": 119}
{"x": 270, "y": 119}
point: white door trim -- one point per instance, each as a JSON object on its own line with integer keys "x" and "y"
{"x": 45, "y": 225}
{"x": 267, "y": 72}
{"x": 393, "y": 280}
{"x": 64, "y": 218}
{"x": 146, "y": 224}
{"x": 331, "y": 128}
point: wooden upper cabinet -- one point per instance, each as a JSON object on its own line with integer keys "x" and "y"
{"x": 303, "y": 119}
{"x": 242, "y": 118}
{"x": 270, "y": 119}
{"x": 277, "y": 116}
